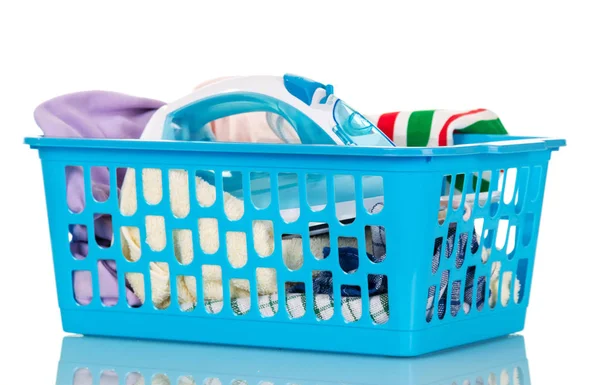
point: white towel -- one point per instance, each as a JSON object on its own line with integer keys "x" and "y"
{"x": 209, "y": 241}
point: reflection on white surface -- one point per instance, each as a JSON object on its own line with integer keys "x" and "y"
{"x": 103, "y": 361}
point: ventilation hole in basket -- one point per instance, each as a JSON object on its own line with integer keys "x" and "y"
{"x": 237, "y": 249}
{"x": 323, "y": 293}
{"x": 521, "y": 190}
{"x": 480, "y": 298}
{"x": 316, "y": 191}
{"x": 295, "y": 299}
{"x": 132, "y": 378}
{"x": 130, "y": 243}
{"x": 266, "y": 286}
{"x": 185, "y": 380}
{"x": 455, "y": 298}
{"x": 510, "y": 185}
{"x": 183, "y": 246}
{"x": 100, "y": 183}
{"x": 430, "y": 303}
{"x": 484, "y": 187}
{"x": 471, "y": 183}
{"x": 495, "y": 194}
{"x": 345, "y": 198}
{"x": 378, "y": 299}
{"x": 292, "y": 250}
{"x": 108, "y": 377}
{"x": 263, "y": 240}
{"x": 511, "y": 242}
{"x": 109, "y": 291}
{"x": 208, "y": 230}
{"x": 103, "y": 230}
{"x": 478, "y": 228}
{"x": 468, "y": 295}
{"x": 494, "y": 284}
{"x": 152, "y": 185}
{"x": 437, "y": 252}
{"x": 179, "y": 193}
{"x": 506, "y": 291}
{"x": 319, "y": 233}
{"x": 518, "y": 376}
{"x": 128, "y": 197}
{"x": 135, "y": 281}
{"x": 212, "y": 288}
{"x": 443, "y": 295}
{"x": 82, "y": 376}
{"x": 205, "y": 197}
{"x": 375, "y": 243}
{"x": 486, "y": 244}
{"x": 161, "y": 379}
{"x": 233, "y": 185}
{"x": 461, "y": 251}
{"x": 160, "y": 284}
{"x": 156, "y": 236}
{"x": 351, "y": 303}
{"x": 74, "y": 174}
{"x": 186, "y": 292}
{"x": 212, "y": 381}
{"x": 521, "y": 280}
{"x": 445, "y": 197}
{"x": 260, "y": 189}
{"x": 288, "y": 198}
{"x": 501, "y": 234}
{"x": 78, "y": 241}
{"x": 82, "y": 279}
{"x": 459, "y": 188}
{"x": 450, "y": 240}
{"x": 373, "y": 194}
{"x": 347, "y": 254}
{"x": 238, "y": 296}
{"x": 528, "y": 229}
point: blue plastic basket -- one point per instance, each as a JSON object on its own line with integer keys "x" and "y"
{"x": 415, "y": 181}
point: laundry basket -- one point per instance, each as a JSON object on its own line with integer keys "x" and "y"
{"x": 440, "y": 293}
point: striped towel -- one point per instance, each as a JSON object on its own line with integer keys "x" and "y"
{"x": 433, "y": 128}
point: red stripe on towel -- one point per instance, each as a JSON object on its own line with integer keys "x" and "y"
{"x": 386, "y": 124}
{"x": 443, "y": 138}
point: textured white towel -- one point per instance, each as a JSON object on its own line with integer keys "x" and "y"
{"x": 156, "y": 238}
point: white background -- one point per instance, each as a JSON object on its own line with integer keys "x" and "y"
{"x": 535, "y": 65}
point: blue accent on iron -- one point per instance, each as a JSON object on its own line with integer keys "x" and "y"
{"x": 303, "y": 88}
{"x": 354, "y": 128}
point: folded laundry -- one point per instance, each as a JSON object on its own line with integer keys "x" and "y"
{"x": 94, "y": 114}
{"x": 295, "y": 305}
{"x": 209, "y": 241}
{"x": 461, "y": 253}
{"x": 111, "y": 115}
{"x": 349, "y": 261}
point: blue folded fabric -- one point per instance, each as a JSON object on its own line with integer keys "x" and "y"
{"x": 348, "y": 257}
{"x": 455, "y": 299}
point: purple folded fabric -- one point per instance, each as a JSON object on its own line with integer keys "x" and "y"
{"x": 94, "y": 114}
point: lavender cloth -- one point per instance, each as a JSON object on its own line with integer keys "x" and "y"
{"x": 94, "y": 114}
